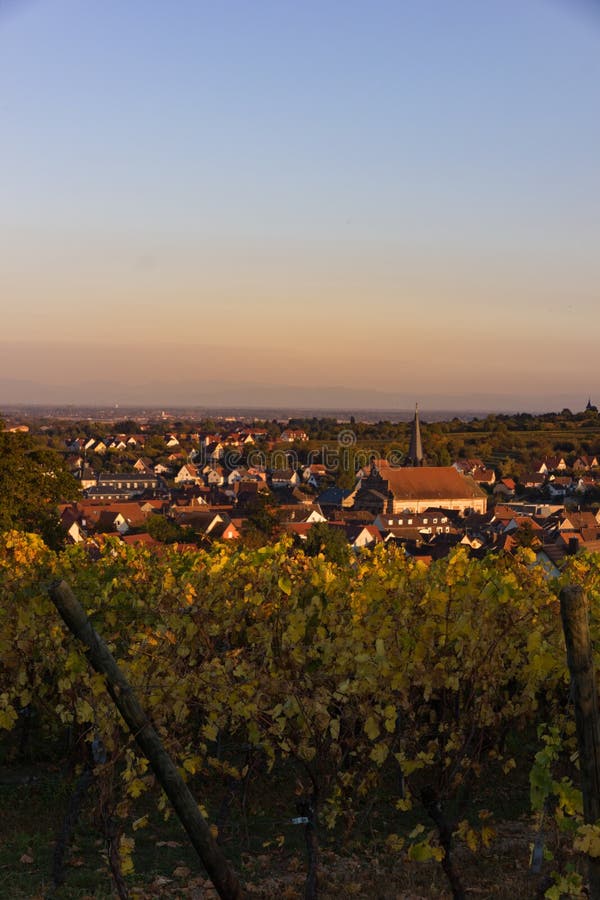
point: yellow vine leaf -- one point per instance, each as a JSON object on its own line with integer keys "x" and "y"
{"x": 379, "y": 754}
{"x": 136, "y": 787}
{"x": 126, "y": 846}
{"x": 588, "y": 840}
{"x": 210, "y": 731}
{"x": 372, "y": 728}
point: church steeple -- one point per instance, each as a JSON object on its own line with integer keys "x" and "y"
{"x": 415, "y": 450}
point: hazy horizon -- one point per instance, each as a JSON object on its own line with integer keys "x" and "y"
{"x": 293, "y": 202}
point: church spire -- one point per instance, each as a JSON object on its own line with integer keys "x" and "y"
{"x": 415, "y": 450}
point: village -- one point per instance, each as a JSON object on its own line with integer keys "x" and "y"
{"x": 253, "y": 484}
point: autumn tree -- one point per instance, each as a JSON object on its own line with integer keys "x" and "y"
{"x": 33, "y": 481}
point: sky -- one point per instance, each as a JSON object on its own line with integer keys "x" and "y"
{"x": 318, "y": 203}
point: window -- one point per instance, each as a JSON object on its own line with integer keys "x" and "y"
{"x": 435, "y": 521}
{"x": 424, "y": 521}
{"x": 409, "y": 522}
{"x": 390, "y": 521}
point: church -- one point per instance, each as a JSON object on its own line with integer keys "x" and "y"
{"x": 416, "y": 487}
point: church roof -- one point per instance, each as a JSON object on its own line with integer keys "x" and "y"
{"x": 430, "y": 483}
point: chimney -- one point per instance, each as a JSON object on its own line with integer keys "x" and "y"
{"x": 573, "y": 546}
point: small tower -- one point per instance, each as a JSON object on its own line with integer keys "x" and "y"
{"x": 415, "y": 450}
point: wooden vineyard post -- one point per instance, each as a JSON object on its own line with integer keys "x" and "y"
{"x": 574, "y": 613}
{"x": 219, "y": 871}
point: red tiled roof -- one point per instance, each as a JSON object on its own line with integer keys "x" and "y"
{"x": 430, "y": 483}
{"x": 142, "y": 538}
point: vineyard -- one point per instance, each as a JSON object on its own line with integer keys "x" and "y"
{"x": 371, "y": 728}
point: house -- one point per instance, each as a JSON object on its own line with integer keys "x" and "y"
{"x": 477, "y": 541}
{"x": 581, "y": 464}
{"x": 409, "y": 525}
{"x": 361, "y": 536}
{"x": 550, "y": 464}
{"x": 505, "y": 488}
{"x": 111, "y": 521}
{"x": 315, "y": 515}
{"x": 293, "y": 436}
{"x": 579, "y": 521}
{"x": 70, "y": 520}
{"x": 136, "y": 441}
{"x": 483, "y": 476}
{"x": 125, "y": 485}
{"x": 259, "y": 472}
{"x": 208, "y": 439}
{"x": 585, "y": 483}
{"x": 468, "y": 466}
{"x": 332, "y": 499}
{"x": 162, "y": 469}
{"x": 539, "y": 510}
{"x": 233, "y": 439}
{"x": 244, "y": 491}
{"x": 86, "y": 477}
{"x": 144, "y": 465}
{"x": 226, "y": 531}
{"x": 314, "y": 474}
{"x": 117, "y": 444}
{"x": 131, "y": 513}
{"x": 188, "y": 474}
{"x": 238, "y": 474}
{"x": 558, "y": 486}
{"x": 153, "y": 506}
{"x": 298, "y": 512}
{"x": 215, "y": 476}
{"x": 533, "y": 480}
{"x": 298, "y": 529}
{"x": 214, "y": 451}
{"x": 284, "y": 478}
{"x": 519, "y": 522}
{"x": 203, "y": 521}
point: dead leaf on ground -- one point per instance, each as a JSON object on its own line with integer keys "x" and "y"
{"x": 181, "y": 872}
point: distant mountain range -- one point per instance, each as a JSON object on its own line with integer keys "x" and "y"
{"x": 217, "y": 394}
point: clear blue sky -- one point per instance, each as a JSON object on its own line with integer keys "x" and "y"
{"x": 397, "y": 196}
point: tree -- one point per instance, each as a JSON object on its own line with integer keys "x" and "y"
{"x": 165, "y": 530}
{"x": 125, "y": 426}
{"x": 328, "y": 540}
{"x": 33, "y": 481}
